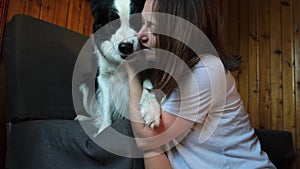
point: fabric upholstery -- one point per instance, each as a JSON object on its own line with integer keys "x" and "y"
{"x": 39, "y": 59}
{"x": 278, "y": 145}
{"x": 62, "y": 144}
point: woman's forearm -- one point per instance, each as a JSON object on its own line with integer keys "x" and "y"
{"x": 135, "y": 92}
{"x": 160, "y": 161}
{"x": 143, "y": 134}
{"x": 148, "y": 139}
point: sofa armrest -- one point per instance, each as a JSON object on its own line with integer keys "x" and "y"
{"x": 39, "y": 58}
{"x": 278, "y": 145}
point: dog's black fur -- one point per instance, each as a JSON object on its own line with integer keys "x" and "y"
{"x": 104, "y": 11}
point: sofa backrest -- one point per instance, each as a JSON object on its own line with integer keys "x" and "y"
{"x": 39, "y": 58}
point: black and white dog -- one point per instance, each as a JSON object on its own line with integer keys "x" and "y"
{"x": 111, "y": 46}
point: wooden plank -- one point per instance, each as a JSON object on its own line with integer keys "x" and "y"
{"x": 276, "y": 65}
{"x": 297, "y": 72}
{"x": 82, "y": 16}
{"x": 61, "y": 12}
{"x": 33, "y": 8}
{"x": 264, "y": 64}
{"x": 3, "y": 14}
{"x": 224, "y": 11}
{"x": 288, "y": 67}
{"x": 48, "y": 10}
{"x": 87, "y": 27}
{"x": 253, "y": 91}
{"x": 243, "y": 77}
{"x": 234, "y": 27}
{"x": 233, "y": 39}
{"x": 74, "y": 15}
{"x": 15, "y": 7}
{"x": 88, "y": 20}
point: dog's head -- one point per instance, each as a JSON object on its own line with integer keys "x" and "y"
{"x": 117, "y": 37}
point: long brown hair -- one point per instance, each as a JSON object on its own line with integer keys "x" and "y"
{"x": 205, "y": 15}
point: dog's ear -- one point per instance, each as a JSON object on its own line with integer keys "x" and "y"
{"x": 96, "y": 26}
{"x": 99, "y": 9}
{"x": 98, "y": 19}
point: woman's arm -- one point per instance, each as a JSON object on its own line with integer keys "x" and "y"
{"x": 160, "y": 161}
{"x": 170, "y": 126}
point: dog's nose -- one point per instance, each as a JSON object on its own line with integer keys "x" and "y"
{"x": 126, "y": 48}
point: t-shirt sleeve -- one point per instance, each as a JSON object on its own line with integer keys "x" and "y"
{"x": 191, "y": 100}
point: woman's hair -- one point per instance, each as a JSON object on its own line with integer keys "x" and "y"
{"x": 205, "y": 15}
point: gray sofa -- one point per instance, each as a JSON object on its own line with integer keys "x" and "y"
{"x": 39, "y": 59}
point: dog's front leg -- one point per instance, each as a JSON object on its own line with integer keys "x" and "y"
{"x": 106, "y": 107}
{"x": 86, "y": 104}
{"x": 149, "y": 106}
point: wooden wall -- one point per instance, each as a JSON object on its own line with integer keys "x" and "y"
{"x": 266, "y": 34}
{"x": 72, "y": 14}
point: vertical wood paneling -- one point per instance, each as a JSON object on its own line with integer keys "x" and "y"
{"x": 15, "y": 7}
{"x": 82, "y": 17}
{"x": 243, "y": 77}
{"x": 61, "y": 12}
{"x": 48, "y": 10}
{"x": 297, "y": 71}
{"x": 224, "y": 10}
{"x": 288, "y": 66}
{"x": 234, "y": 27}
{"x": 33, "y": 8}
{"x": 3, "y": 14}
{"x": 276, "y": 65}
{"x": 88, "y": 21}
{"x": 269, "y": 82}
{"x": 229, "y": 10}
{"x": 74, "y": 15}
{"x": 264, "y": 63}
{"x": 85, "y": 22}
{"x": 234, "y": 30}
{"x": 253, "y": 91}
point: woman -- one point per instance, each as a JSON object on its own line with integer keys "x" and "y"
{"x": 208, "y": 135}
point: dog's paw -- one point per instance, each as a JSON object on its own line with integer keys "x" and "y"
{"x": 84, "y": 89}
{"x": 149, "y": 106}
{"x": 101, "y": 127}
{"x": 82, "y": 118}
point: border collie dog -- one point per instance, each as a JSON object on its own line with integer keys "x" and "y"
{"x": 116, "y": 40}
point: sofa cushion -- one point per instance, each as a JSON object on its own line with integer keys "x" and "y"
{"x": 48, "y": 144}
{"x": 39, "y": 58}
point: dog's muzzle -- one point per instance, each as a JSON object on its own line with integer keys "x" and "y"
{"x": 126, "y": 48}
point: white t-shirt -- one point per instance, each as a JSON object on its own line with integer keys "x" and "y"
{"x": 222, "y": 136}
